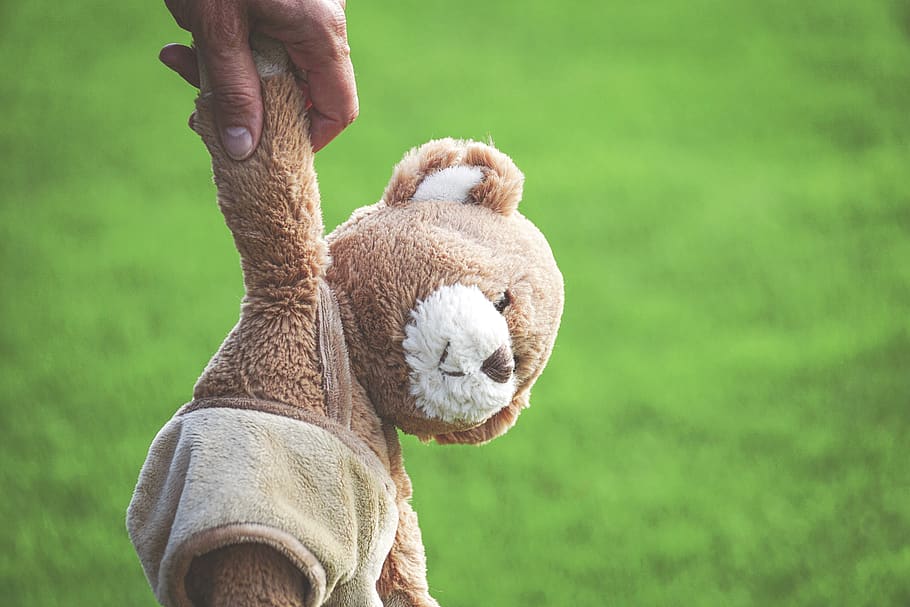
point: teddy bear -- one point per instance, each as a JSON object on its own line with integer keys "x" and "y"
{"x": 432, "y": 311}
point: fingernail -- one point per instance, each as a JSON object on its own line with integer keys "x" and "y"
{"x": 237, "y": 142}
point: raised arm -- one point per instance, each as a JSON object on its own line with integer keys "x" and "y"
{"x": 270, "y": 202}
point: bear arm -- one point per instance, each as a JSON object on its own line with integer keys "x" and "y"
{"x": 271, "y": 204}
{"x": 270, "y": 201}
{"x": 403, "y": 581}
{"x": 245, "y": 574}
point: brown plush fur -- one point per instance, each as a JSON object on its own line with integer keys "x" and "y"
{"x": 415, "y": 248}
{"x": 384, "y": 260}
{"x": 246, "y": 574}
{"x": 271, "y": 204}
{"x": 499, "y": 191}
{"x": 271, "y": 353}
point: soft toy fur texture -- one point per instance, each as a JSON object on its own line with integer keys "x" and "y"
{"x": 448, "y": 217}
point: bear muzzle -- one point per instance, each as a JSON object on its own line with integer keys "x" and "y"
{"x": 458, "y": 349}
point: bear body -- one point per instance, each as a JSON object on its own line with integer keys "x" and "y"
{"x": 433, "y": 311}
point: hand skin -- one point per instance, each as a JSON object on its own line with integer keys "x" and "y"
{"x": 314, "y": 33}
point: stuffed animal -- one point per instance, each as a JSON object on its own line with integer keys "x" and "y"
{"x": 433, "y": 311}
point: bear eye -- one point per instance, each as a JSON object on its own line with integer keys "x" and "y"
{"x": 503, "y": 302}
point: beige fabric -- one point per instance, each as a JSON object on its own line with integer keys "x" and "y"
{"x": 219, "y": 476}
{"x": 345, "y": 435}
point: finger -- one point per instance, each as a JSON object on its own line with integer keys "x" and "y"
{"x": 320, "y": 48}
{"x": 181, "y": 59}
{"x": 333, "y": 94}
{"x": 232, "y": 80}
{"x": 179, "y": 11}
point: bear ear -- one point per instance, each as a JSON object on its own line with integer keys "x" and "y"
{"x": 457, "y": 171}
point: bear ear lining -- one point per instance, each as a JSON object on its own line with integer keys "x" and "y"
{"x": 451, "y": 183}
{"x": 452, "y": 170}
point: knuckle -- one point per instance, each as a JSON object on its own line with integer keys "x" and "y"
{"x": 317, "y": 30}
{"x": 333, "y": 26}
{"x": 234, "y": 99}
{"x": 220, "y": 31}
{"x": 336, "y": 22}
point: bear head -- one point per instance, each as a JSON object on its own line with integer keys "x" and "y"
{"x": 455, "y": 297}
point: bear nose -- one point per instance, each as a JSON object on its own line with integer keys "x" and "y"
{"x": 499, "y": 365}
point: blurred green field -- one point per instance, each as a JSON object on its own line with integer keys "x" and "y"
{"x": 726, "y": 186}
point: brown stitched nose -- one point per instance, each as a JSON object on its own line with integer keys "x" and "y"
{"x": 498, "y": 366}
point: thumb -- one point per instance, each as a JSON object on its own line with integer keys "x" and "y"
{"x": 230, "y": 77}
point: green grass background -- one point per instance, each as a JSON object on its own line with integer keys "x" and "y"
{"x": 726, "y": 186}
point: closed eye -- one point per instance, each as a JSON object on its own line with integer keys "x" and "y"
{"x": 503, "y": 302}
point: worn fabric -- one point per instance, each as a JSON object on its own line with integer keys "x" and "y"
{"x": 217, "y": 476}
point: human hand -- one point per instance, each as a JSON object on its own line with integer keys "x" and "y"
{"x": 314, "y": 32}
